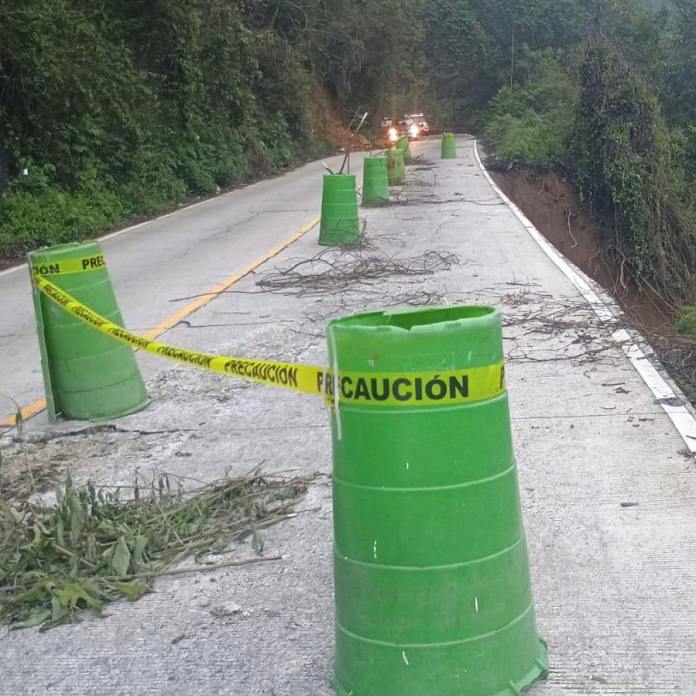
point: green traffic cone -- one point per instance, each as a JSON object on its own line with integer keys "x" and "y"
{"x": 404, "y": 145}
{"x": 375, "y": 181}
{"x": 87, "y": 375}
{"x": 340, "y": 223}
{"x": 432, "y": 585}
{"x": 395, "y": 167}
{"x": 449, "y": 146}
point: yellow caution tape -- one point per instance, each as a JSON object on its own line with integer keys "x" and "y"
{"x": 354, "y": 388}
{"x": 65, "y": 266}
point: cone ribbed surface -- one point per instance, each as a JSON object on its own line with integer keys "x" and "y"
{"x": 404, "y": 145}
{"x": 339, "y": 211}
{"x": 433, "y": 595}
{"x": 449, "y": 146}
{"x": 375, "y": 181}
{"x": 395, "y": 167}
{"x": 87, "y": 375}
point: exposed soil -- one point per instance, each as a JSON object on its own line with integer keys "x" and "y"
{"x": 553, "y": 205}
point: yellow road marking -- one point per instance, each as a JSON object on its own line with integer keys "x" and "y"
{"x": 34, "y": 409}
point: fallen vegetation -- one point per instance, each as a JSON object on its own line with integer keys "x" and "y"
{"x": 338, "y": 270}
{"x": 96, "y": 544}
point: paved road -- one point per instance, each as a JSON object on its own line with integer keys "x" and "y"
{"x": 608, "y": 491}
{"x": 171, "y": 257}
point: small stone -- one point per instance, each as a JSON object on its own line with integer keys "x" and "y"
{"x": 273, "y": 609}
{"x": 227, "y": 609}
{"x": 204, "y": 602}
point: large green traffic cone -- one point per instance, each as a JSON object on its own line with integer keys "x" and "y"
{"x": 404, "y": 145}
{"x": 395, "y": 167}
{"x": 87, "y": 375}
{"x": 375, "y": 181}
{"x": 432, "y": 586}
{"x": 449, "y": 146}
{"x": 339, "y": 211}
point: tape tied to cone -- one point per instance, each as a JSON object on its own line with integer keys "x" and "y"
{"x": 353, "y": 388}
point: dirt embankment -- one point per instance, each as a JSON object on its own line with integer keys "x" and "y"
{"x": 553, "y": 205}
{"x": 330, "y": 125}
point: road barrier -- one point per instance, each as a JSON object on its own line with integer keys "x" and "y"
{"x": 449, "y": 146}
{"x": 396, "y": 168}
{"x": 86, "y": 376}
{"x": 375, "y": 181}
{"x": 432, "y": 586}
{"x": 390, "y": 389}
{"x": 339, "y": 211}
{"x": 404, "y": 145}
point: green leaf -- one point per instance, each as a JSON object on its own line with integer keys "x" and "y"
{"x": 139, "y": 547}
{"x": 60, "y": 532}
{"x": 133, "y": 590}
{"x": 121, "y": 559}
{"x": 58, "y": 608}
{"x": 76, "y": 519}
{"x": 91, "y": 550}
{"x": 36, "y": 617}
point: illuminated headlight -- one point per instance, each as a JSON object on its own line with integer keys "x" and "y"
{"x": 414, "y": 130}
{"x": 393, "y": 135}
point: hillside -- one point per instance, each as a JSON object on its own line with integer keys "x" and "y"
{"x": 113, "y": 110}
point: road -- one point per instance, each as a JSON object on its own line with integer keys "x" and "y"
{"x": 171, "y": 257}
{"x": 606, "y": 479}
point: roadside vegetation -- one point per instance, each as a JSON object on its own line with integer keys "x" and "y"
{"x": 113, "y": 110}
{"x": 121, "y": 108}
{"x": 612, "y": 107}
{"x": 94, "y": 545}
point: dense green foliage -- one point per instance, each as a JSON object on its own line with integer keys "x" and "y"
{"x": 624, "y": 166}
{"x": 532, "y": 123}
{"x": 614, "y": 109}
{"x": 118, "y": 108}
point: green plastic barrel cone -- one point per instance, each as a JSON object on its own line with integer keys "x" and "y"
{"x": 432, "y": 585}
{"x": 87, "y": 375}
{"x": 339, "y": 211}
{"x": 375, "y": 181}
{"x": 404, "y": 145}
{"x": 449, "y": 146}
{"x": 395, "y": 167}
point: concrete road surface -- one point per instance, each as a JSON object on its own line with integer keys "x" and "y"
{"x": 173, "y": 256}
{"x": 608, "y": 485}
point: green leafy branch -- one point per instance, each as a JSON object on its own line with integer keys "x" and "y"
{"x": 92, "y": 546}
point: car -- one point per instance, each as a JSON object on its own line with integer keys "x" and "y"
{"x": 412, "y": 125}
{"x": 416, "y": 125}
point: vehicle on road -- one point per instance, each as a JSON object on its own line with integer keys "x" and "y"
{"x": 418, "y": 126}
{"x": 414, "y": 126}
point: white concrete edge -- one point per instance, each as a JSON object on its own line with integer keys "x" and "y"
{"x": 670, "y": 398}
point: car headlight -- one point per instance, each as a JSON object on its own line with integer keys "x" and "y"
{"x": 393, "y": 135}
{"x": 414, "y": 130}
